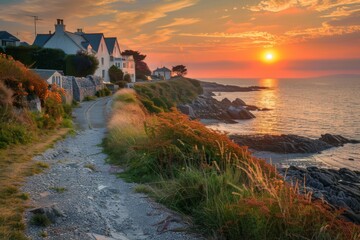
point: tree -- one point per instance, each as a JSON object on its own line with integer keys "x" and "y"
{"x": 179, "y": 70}
{"x": 81, "y": 64}
{"x": 136, "y": 54}
{"x": 127, "y": 78}
{"x": 115, "y": 74}
{"x": 141, "y": 68}
{"x": 48, "y": 58}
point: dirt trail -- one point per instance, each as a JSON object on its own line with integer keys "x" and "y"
{"x": 93, "y": 203}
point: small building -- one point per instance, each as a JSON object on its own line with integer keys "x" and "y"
{"x": 6, "y": 39}
{"x": 163, "y": 73}
{"x": 50, "y": 76}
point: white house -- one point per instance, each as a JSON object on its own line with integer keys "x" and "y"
{"x": 6, "y": 39}
{"x": 106, "y": 50}
{"x": 163, "y": 72}
{"x": 50, "y": 76}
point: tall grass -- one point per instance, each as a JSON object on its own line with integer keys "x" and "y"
{"x": 200, "y": 172}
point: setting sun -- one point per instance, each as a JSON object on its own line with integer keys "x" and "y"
{"x": 269, "y": 56}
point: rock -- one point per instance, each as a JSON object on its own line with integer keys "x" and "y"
{"x": 51, "y": 212}
{"x": 238, "y": 103}
{"x": 339, "y": 188}
{"x": 188, "y": 110}
{"x": 336, "y": 140}
{"x": 226, "y": 102}
{"x": 239, "y": 113}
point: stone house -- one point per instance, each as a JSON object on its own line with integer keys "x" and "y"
{"x": 106, "y": 50}
{"x": 163, "y": 73}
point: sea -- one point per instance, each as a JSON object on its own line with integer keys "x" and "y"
{"x": 306, "y": 107}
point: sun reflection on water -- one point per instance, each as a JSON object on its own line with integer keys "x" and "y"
{"x": 267, "y": 99}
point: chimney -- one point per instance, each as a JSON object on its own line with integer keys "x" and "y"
{"x": 60, "y": 27}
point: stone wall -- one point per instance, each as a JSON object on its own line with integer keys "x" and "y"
{"x": 79, "y": 88}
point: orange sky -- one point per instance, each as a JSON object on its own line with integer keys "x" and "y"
{"x": 212, "y": 38}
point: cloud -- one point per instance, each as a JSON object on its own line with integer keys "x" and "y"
{"x": 280, "y": 5}
{"x": 325, "y": 31}
{"x": 181, "y": 22}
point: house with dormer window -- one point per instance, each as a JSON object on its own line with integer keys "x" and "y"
{"x": 106, "y": 50}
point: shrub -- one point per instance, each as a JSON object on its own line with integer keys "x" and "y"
{"x": 14, "y": 133}
{"x": 81, "y": 65}
{"x": 103, "y": 92}
{"x": 115, "y": 74}
{"x": 40, "y": 220}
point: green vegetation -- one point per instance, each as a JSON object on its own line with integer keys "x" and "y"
{"x": 162, "y": 96}
{"x": 35, "y": 57}
{"x": 80, "y": 64}
{"x": 103, "y": 92}
{"x": 200, "y": 172}
{"x": 18, "y": 129}
{"x": 116, "y": 75}
{"x": 40, "y": 220}
{"x": 59, "y": 189}
{"x": 179, "y": 70}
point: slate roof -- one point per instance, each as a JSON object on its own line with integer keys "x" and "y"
{"x": 41, "y": 39}
{"x": 110, "y": 44}
{"x": 4, "y": 35}
{"x": 94, "y": 39}
{"x": 163, "y": 69}
{"x": 45, "y": 73}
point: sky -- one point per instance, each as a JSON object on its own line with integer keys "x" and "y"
{"x": 213, "y": 38}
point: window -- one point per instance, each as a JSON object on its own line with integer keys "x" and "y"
{"x": 101, "y": 46}
{"x": 53, "y": 79}
{"x": 124, "y": 65}
{"x": 103, "y": 73}
{"x": 102, "y": 61}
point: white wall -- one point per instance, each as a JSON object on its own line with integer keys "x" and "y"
{"x": 55, "y": 78}
{"x": 104, "y": 65}
{"x": 61, "y": 41}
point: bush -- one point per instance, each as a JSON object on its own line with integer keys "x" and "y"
{"x": 13, "y": 133}
{"x": 127, "y": 78}
{"x": 81, "y": 65}
{"x": 103, "y": 92}
{"x": 122, "y": 84}
{"x": 115, "y": 74}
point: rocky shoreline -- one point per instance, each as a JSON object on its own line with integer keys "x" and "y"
{"x": 207, "y": 107}
{"x": 340, "y": 189}
{"x": 291, "y": 143}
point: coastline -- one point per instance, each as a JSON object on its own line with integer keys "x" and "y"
{"x": 339, "y": 188}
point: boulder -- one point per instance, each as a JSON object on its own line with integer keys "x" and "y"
{"x": 188, "y": 110}
{"x": 239, "y": 113}
{"x": 238, "y": 103}
{"x": 336, "y": 140}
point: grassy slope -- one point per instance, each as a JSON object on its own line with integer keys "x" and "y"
{"x": 200, "y": 172}
{"x": 15, "y": 165}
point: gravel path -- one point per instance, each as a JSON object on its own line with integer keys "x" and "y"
{"x": 92, "y": 203}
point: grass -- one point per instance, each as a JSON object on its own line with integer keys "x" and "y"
{"x": 90, "y": 98}
{"x": 200, "y": 172}
{"x": 40, "y": 220}
{"x": 15, "y": 165}
{"x": 162, "y": 96}
{"x": 58, "y": 189}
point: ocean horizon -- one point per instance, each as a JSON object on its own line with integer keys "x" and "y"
{"x": 307, "y": 107}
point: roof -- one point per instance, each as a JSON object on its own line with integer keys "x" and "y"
{"x": 44, "y": 73}
{"x": 41, "y": 39}
{"x": 110, "y": 44}
{"x": 79, "y": 40}
{"x": 94, "y": 39}
{"x": 4, "y": 35}
{"x": 163, "y": 69}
